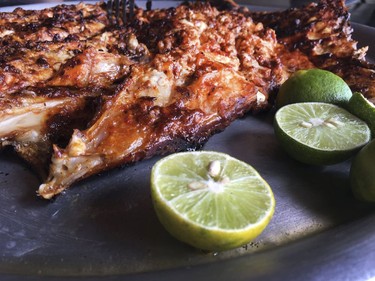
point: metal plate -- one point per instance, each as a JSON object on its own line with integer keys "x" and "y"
{"x": 106, "y": 227}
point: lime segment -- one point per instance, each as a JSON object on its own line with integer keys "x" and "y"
{"x": 319, "y": 133}
{"x": 210, "y": 200}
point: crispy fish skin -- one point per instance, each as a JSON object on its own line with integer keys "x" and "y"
{"x": 32, "y": 64}
{"x": 45, "y": 113}
{"x": 51, "y": 84}
{"x": 59, "y": 92}
{"x": 77, "y": 63}
{"x": 199, "y": 80}
{"x": 52, "y": 24}
{"x": 34, "y": 44}
{"x": 316, "y": 29}
{"x": 38, "y": 47}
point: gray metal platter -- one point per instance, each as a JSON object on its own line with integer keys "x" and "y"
{"x": 104, "y": 228}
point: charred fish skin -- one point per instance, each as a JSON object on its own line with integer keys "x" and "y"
{"x": 35, "y": 43}
{"x": 62, "y": 22}
{"x": 35, "y": 117}
{"x": 313, "y": 28}
{"x": 195, "y": 85}
{"x": 35, "y": 63}
{"x": 52, "y": 85}
{"x": 97, "y": 62}
{"x": 321, "y": 34}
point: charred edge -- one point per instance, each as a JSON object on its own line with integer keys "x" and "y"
{"x": 298, "y": 20}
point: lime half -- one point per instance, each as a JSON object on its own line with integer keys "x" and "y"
{"x": 210, "y": 200}
{"x": 319, "y": 133}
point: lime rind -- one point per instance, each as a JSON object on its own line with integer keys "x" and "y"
{"x": 207, "y": 219}
{"x": 319, "y": 133}
{"x": 313, "y": 85}
{"x": 362, "y": 177}
{"x": 364, "y": 109}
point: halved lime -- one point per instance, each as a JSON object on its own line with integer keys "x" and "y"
{"x": 210, "y": 200}
{"x": 364, "y": 109}
{"x": 319, "y": 133}
{"x": 313, "y": 85}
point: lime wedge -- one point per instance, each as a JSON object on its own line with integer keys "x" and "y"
{"x": 364, "y": 109}
{"x": 319, "y": 133}
{"x": 210, "y": 200}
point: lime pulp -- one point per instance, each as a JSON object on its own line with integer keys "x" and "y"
{"x": 319, "y": 133}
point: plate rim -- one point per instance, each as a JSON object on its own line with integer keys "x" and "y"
{"x": 241, "y": 265}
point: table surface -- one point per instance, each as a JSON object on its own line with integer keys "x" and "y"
{"x": 362, "y": 11}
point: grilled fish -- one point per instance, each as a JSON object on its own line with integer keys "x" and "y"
{"x": 165, "y": 82}
{"x": 177, "y": 100}
{"x": 208, "y": 68}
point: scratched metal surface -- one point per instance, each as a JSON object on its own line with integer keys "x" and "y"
{"x": 105, "y": 226}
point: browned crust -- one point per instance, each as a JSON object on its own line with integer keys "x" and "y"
{"x": 322, "y": 32}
